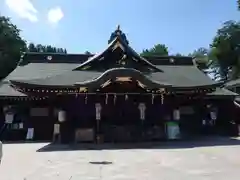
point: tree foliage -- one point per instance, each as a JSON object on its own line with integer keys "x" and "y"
{"x": 200, "y": 56}
{"x": 87, "y": 53}
{"x": 45, "y": 49}
{"x": 158, "y": 49}
{"x": 225, "y": 51}
{"x": 11, "y": 46}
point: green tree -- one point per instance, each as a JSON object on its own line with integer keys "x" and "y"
{"x": 225, "y": 51}
{"x": 87, "y": 53}
{"x": 45, "y": 49}
{"x": 178, "y": 55}
{"x": 11, "y": 46}
{"x": 158, "y": 50}
{"x": 201, "y": 57}
{"x": 31, "y": 47}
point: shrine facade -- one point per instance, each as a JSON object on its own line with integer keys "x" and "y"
{"x": 114, "y": 96}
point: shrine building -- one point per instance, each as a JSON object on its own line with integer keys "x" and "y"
{"x": 116, "y": 95}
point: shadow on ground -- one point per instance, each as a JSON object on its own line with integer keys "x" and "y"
{"x": 24, "y": 142}
{"x": 199, "y": 142}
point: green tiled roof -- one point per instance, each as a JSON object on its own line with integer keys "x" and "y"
{"x": 222, "y": 91}
{"x": 233, "y": 83}
{"x": 7, "y": 90}
{"x": 183, "y": 76}
{"x": 66, "y": 79}
{"x": 176, "y": 76}
{"x": 117, "y": 59}
{"x": 33, "y": 71}
{"x": 39, "y": 70}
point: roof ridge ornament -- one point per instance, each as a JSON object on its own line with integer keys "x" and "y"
{"x": 118, "y": 28}
{"x": 118, "y": 33}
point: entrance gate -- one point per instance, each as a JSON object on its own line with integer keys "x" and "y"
{"x": 121, "y": 121}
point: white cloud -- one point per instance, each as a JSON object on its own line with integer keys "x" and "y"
{"x": 55, "y": 15}
{"x": 23, "y": 8}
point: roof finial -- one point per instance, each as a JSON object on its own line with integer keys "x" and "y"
{"x": 118, "y": 28}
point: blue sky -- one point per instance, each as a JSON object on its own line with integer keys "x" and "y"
{"x": 81, "y": 25}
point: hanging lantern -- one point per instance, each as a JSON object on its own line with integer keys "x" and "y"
{"x": 126, "y": 97}
{"x": 61, "y": 116}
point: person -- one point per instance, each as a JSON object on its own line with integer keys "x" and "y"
{"x": 1, "y": 151}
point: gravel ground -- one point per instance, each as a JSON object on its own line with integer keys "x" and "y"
{"x": 217, "y": 158}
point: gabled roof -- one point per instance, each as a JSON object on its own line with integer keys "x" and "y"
{"x": 68, "y": 70}
{"x": 90, "y": 79}
{"x": 118, "y": 54}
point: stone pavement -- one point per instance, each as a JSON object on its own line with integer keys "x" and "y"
{"x": 216, "y": 159}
